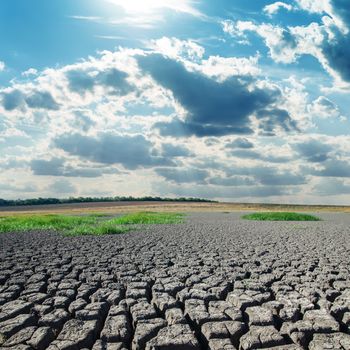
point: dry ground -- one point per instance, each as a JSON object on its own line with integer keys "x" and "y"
{"x": 214, "y": 282}
{"x": 127, "y": 207}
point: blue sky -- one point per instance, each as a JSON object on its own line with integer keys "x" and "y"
{"x": 233, "y": 100}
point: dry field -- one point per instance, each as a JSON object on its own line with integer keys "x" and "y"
{"x": 186, "y": 207}
{"x": 213, "y": 282}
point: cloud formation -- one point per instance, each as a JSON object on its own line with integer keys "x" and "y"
{"x": 107, "y": 148}
{"x": 314, "y": 151}
{"x": 36, "y": 99}
{"x": 170, "y": 150}
{"x": 327, "y": 41}
{"x": 240, "y": 143}
{"x": 58, "y": 167}
{"x": 214, "y": 108}
{"x": 332, "y": 187}
{"x": 179, "y": 176}
{"x": 275, "y": 7}
{"x": 61, "y": 186}
{"x": 332, "y": 168}
{"x": 114, "y": 80}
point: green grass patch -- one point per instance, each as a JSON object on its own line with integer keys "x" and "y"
{"x": 94, "y": 224}
{"x": 100, "y": 215}
{"x": 280, "y": 216}
{"x": 103, "y": 229}
{"x": 44, "y": 222}
{"x": 149, "y": 218}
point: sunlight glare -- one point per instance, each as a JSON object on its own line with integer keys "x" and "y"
{"x": 150, "y": 6}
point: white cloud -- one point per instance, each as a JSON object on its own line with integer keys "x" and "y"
{"x": 276, "y": 6}
{"x": 178, "y": 49}
{"x": 324, "y": 7}
{"x": 280, "y": 42}
{"x": 324, "y": 108}
{"x": 89, "y": 107}
{"x": 29, "y": 72}
{"x": 191, "y": 55}
{"x": 286, "y": 45}
{"x": 224, "y": 67}
{"x": 319, "y": 6}
{"x": 2, "y": 66}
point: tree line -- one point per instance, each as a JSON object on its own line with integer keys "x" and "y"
{"x": 44, "y": 201}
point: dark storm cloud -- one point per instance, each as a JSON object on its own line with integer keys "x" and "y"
{"x": 232, "y": 181}
{"x": 12, "y": 100}
{"x": 36, "y": 100}
{"x": 52, "y": 167}
{"x": 116, "y": 80}
{"x": 183, "y": 175}
{"x": 337, "y": 53}
{"x": 235, "y": 176}
{"x": 206, "y": 191}
{"x": 250, "y": 154}
{"x": 270, "y": 176}
{"x": 313, "y": 151}
{"x": 240, "y": 143}
{"x": 57, "y": 167}
{"x": 61, "y": 186}
{"x": 214, "y": 108}
{"x": 42, "y": 100}
{"x": 81, "y": 81}
{"x": 178, "y": 128}
{"x": 337, "y": 48}
{"x": 211, "y": 163}
{"x": 265, "y": 175}
{"x": 170, "y": 150}
{"x": 269, "y": 119}
{"x": 107, "y": 148}
{"x": 329, "y": 187}
{"x": 331, "y": 168}
{"x": 342, "y": 8}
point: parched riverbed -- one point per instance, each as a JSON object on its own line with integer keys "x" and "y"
{"x": 215, "y": 282}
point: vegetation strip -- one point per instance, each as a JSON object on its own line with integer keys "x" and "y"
{"x": 44, "y": 201}
{"x": 280, "y": 216}
{"x": 94, "y": 224}
{"x": 146, "y": 218}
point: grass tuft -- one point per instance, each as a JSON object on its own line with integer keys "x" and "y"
{"x": 280, "y": 216}
{"x": 149, "y": 218}
{"x": 44, "y": 222}
{"x": 93, "y": 224}
{"x": 104, "y": 229}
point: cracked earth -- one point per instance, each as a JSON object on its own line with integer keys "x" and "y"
{"x": 214, "y": 282}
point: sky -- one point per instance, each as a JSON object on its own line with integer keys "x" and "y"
{"x": 243, "y": 101}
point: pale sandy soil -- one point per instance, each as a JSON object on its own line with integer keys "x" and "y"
{"x": 126, "y": 207}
